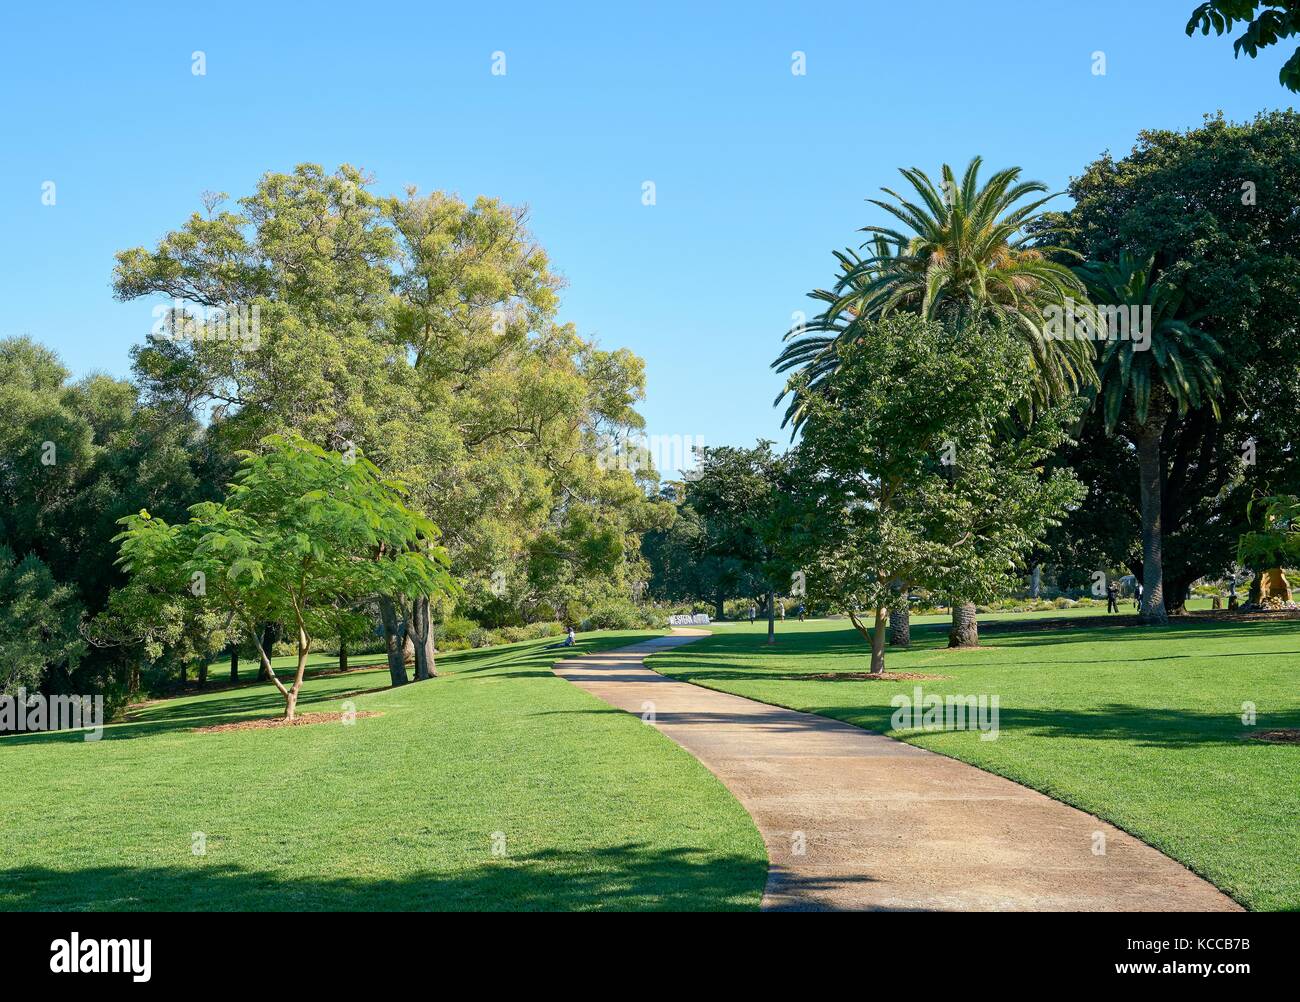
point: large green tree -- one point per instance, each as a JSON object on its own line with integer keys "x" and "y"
{"x": 746, "y": 501}
{"x": 422, "y": 330}
{"x": 910, "y": 477}
{"x": 1152, "y": 364}
{"x": 1215, "y": 207}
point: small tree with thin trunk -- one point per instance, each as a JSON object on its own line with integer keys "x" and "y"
{"x": 302, "y": 535}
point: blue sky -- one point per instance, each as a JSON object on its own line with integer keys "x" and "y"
{"x": 759, "y": 173}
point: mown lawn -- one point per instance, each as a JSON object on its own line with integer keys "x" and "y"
{"x": 593, "y": 809}
{"x": 1142, "y": 727}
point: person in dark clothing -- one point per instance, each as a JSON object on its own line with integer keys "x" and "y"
{"x": 1112, "y": 597}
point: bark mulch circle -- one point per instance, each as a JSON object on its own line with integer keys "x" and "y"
{"x": 1283, "y": 736}
{"x": 887, "y": 676}
{"x": 299, "y": 720}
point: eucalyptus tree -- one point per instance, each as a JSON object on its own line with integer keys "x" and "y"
{"x": 1157, "y": 364}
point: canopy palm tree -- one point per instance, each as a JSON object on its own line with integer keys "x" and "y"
{"x": 1170, "y": 365}
{"x": 965, "y": 249}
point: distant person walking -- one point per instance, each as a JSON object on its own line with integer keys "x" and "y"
{"x": 1137, "y": 597}
{"x": 801, "y": 611}
{"x": 753, "y": 613}
{"x": 780, "y": 608}
{"x": 1112, "y": 597}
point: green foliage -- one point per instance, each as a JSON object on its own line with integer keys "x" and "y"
{"x": 965, "y": 250}
{"x": 751, "y": 522}
{"x": 1278, "y": 19}
{"x": 910, "y": 474}
{"x": 1276, "y": 543}
{"x": 420, "y": 330}
{"x": 302, "y": 537}
{"x": 39, "y": 621}
{"x": 1172, "y": 357}
{"x": 1215, "y": 206}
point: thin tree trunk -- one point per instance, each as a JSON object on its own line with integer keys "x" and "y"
{"x": 291, "y": 697}
{"x": 392, "y": 642}
{"x": 875, "y": 637}
{"x": 203, "y": 672}
{"x": 771, "y": 618}
{"x": 718, "y": 607}
{"x": 343, "y": 654}
{"x": 1036, "y": 582}
{"x": 422, "y": 633}
{"x": 900, "y": 625}
{"x": 965, "y": 630}
{"x": 264, "y": 649}
{"x": 1150, "y": 473}
{"x": 234, "y": 663}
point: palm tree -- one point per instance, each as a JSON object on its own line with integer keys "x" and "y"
{"x": 965, "y": 249}
{"x": 1170, "y": 366}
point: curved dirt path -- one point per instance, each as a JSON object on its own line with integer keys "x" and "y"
{"x": 855, "y": 820}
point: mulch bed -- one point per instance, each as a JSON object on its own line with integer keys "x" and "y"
{"x": 887, "y": 676}
{"x": 1285, "y": 736}
{"x": 300, "y": 720}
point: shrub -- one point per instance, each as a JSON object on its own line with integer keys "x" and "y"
{"x": 619, "y": 616}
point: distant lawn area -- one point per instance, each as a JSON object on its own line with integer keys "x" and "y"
{"x": 594, "y": 809}
{"x": 1142, "y": 727}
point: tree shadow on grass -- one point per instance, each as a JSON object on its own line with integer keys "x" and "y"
{"x": 632, "y": 876}
{"x": 1148, "y": 727}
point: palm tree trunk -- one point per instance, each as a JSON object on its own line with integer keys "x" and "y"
{"x": 1150, "y": 473}
{"x": 965, "y": 630}
{"x": 900, "y": 625}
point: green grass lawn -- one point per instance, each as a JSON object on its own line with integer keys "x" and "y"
{"x": 397, "y": 811}
{"x": 1142, "y": 727}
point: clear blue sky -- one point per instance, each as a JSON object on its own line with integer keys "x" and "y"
{"x": 759, "y": 173}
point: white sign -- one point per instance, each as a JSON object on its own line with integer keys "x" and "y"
{"x": 699, "y": 619}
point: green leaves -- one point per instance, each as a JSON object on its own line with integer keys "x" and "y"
{"x": 1278, "y": 20}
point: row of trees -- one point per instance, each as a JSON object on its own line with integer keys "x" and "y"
{"x": 1147, "y": 444}
{"x": 414, "y": 333}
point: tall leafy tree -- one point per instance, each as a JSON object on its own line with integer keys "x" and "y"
{"x": 1215, "y": 205}
{"x": 746, "y": 501}
{"x": 910, "y": 478}
{"x": 1170, "y": 368}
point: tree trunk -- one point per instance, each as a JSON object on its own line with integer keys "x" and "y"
{"x": 900, "y": 625}
{"x": 965, "y": 630}
{"x": 203, "y": 672}
{"x": 422, "y": 633}
{"x": 1150, "y": 473}
{"x": 718, "y": 607}
{"x": 1036, "y": 582}
{"x": 771, "y": 618}
{"x": 343, "y": 654}
{"x": 876, "y": 638}
{"x": 392, "y": 642}
{"x": 264, "y": 669}
{"x": 234, "y": 664}
{"x": 408, "y": 645}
